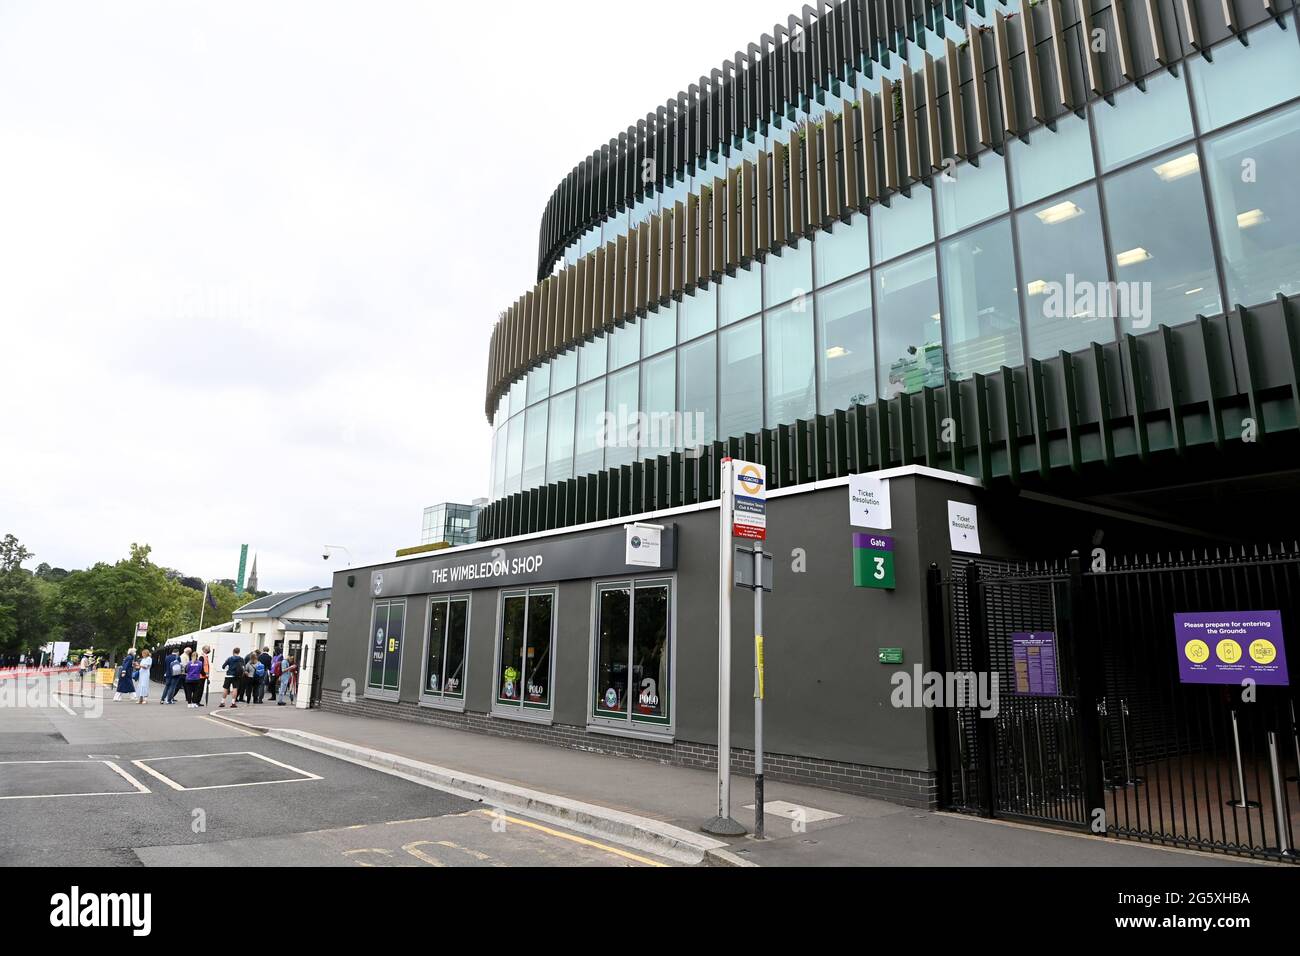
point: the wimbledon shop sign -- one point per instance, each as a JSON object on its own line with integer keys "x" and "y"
{"x": 593, "y": 555}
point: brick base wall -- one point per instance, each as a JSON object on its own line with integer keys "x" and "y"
{"x": 913, "y": 788}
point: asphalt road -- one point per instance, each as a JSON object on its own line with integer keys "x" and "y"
{"x": 86, "y": 783}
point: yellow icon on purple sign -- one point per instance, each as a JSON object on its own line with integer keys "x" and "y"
{"x": 1262, "y": 651}
{"x": 1229, "y": 651}
{"x": 1197, "y": 651}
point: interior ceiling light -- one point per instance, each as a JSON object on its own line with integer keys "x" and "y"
{"x": 1253, "y": 218}
{"x": 1061, "y": 212}
{"x": 1184, "y": 165}
{"x": 1132, "y": 257}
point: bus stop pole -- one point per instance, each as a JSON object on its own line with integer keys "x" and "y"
{"x": 758, "y": 690}
{"x": 722, "y": 824}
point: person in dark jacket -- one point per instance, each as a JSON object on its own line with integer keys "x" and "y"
{"x": 126, "y": 676}
{"x": 171, "y": 682}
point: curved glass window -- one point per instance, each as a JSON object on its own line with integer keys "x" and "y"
{"x": 981, "y": 307}
{"x": 514, "y": 455}
{"x": 1252, "y": 174}
{"x": 621, "y": 400}
{"x": 845, "y": 360}
{"x": 589, "y": 447}
{"x": 559, "y": 439}
{"x": 1051, "y": 161}
{"x": 624, "y": 346}
{"x": 740, "y": 379}
{"x": 968, "y": 194}
{"x": 907, "y": 320}
{"x": 539, "y": 383}
{"x": 697, "y": 373}
{"x": 699, "y": 313}
{"x": 659, "y": 330}
{"x": 535, "y": 447}
{"x": 1063, "y": 263}
{"x": 790, "y": 365}
{"x": 788, "y": 275}
{"x": 903, "y": 225}
{"x": 658, "y": 402}
{"x": 1243, "y": 80}
{"x": 1141, "y": 123}
{"x": 842, "y": 252}
{"x": 592, "y": 359}
{"x": 564, "y": 371}
{"x": 742, "y": 294}
{"x": 1160, "y": 235}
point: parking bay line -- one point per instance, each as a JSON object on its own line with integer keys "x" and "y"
{"x": 143, "y": 765}
{"x": 139, "y": 787}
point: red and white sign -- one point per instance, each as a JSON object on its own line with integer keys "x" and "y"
{"x": 749, "y": 501}
{"x": 142, "y": 629}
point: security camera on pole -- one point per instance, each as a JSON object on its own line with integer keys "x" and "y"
{"x": 743, "y": 514}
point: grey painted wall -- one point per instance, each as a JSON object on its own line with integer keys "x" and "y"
{"x": 827, "y": 695}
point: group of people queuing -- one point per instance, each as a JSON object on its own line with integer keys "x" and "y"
{"x": 188, "y": 669}
{"x": 251, "y": 676}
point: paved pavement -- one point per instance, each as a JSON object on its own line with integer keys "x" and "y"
{"x": 805, "y": 825}
{"x": 123, "y": 784}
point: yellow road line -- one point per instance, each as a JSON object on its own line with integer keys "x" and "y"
{"x": 571, "y": 837}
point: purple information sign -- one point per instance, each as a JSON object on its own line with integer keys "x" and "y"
{"x": 1034, "y": 654}
{"x": 1228, "y": 647}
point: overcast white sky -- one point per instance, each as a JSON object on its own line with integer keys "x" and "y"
{"x": 247, "y": 273}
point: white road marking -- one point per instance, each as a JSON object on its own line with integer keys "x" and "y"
{"x": 139, "y": 787}
{"x": 227, "y": 725}
{"x": 143, "y": 765}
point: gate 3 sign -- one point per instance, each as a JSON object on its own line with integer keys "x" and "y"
{"x": 1228, "y": 647}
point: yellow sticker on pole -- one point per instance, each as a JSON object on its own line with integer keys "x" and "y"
{"x": 758, "y": 662}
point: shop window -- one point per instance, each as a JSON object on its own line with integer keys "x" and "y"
{"x": 386, "y": 631}
{"x": 444, "y": 660}
{"x": 524, "y": 651}
{"x": 631, "y": 656}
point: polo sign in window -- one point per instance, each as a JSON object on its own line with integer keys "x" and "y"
{"x": 386, "y": 631}
{"x": 444, "y": 663}
{"x": 524, "y": 659}
{"x": 632, "y": 653}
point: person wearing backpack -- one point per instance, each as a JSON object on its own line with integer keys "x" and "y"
{"x": 259, "y": 680}
{"x": 246, "y": 680}
{"x": 193, "y": 680}
{"x": 174, "y": 674}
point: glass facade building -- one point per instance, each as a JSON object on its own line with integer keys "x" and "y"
{"x": 1173, "y": 198}
{"x": 450, "y": 524}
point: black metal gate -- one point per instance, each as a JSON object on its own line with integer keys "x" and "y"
{"x": 317, "y": 674}
{"x": 1119, "y": 745}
